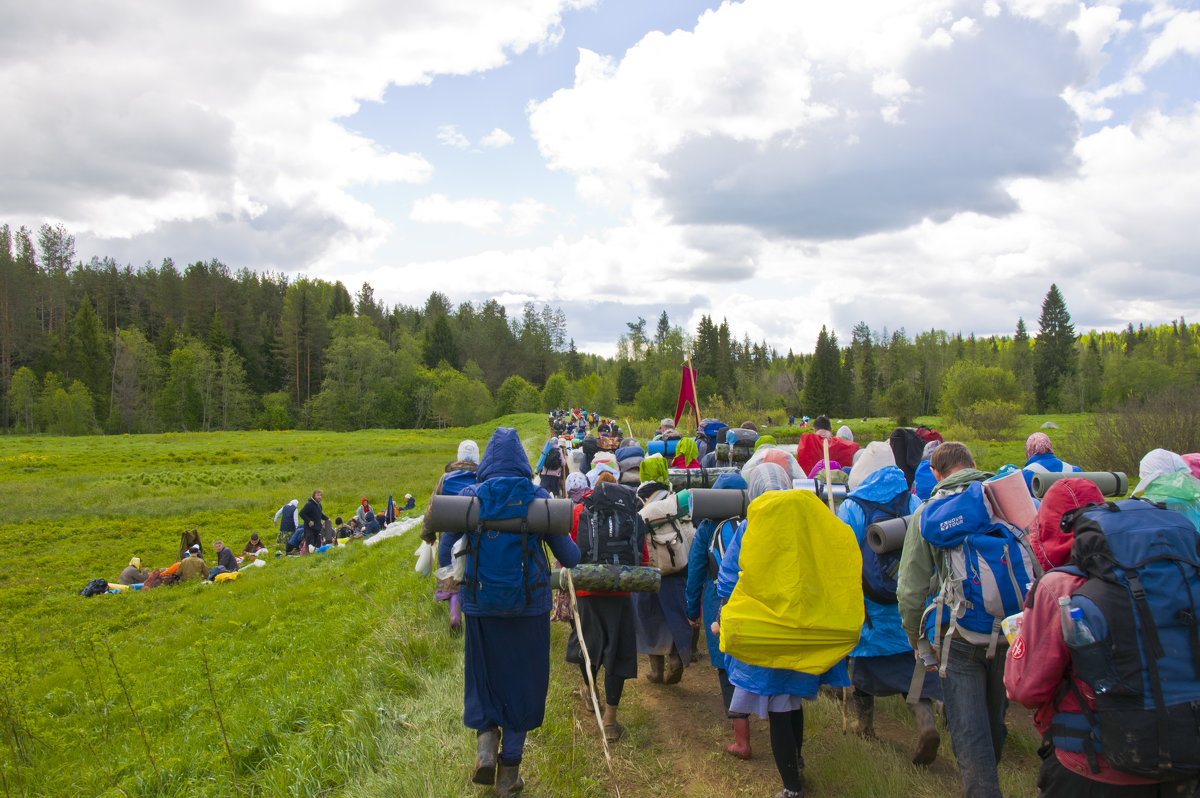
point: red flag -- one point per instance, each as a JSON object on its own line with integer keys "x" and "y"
{"x": 687, "y": 393}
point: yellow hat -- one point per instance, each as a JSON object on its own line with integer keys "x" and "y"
{"x": 135, "y": 562}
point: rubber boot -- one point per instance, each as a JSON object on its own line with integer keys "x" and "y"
{"x": 655, "y": 675}
{"x": 508, "y": 780}
{"x": 740, "y": 747}
{"x": 455, "y": 612}
{"x": 612, "y": 729}
{"x": 928, "y": 738}
{"x": 674, "y": 667}
{"x": 487, "y": 747}
{"x": 864, "y": 710}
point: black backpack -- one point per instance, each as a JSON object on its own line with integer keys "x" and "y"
{"x": 553, "y": 460}
{"x": 610, "y": 529}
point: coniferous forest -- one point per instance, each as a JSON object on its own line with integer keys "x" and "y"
{"x": 106, "y": 347}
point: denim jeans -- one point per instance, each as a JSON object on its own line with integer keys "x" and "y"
{"x": 973, "y": 688}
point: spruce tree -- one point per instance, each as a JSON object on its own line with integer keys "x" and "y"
{"x": 1053, "y": 350}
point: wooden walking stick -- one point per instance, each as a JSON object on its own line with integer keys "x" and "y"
{"x": 828, "y": 475}
{"x": 587, "y": 661}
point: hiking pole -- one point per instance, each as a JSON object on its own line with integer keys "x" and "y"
{"x": 587, "y": 661}
{"x": 829, "y": 486}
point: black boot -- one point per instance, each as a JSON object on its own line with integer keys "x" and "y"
{"x": 487, "y": 746}
{"x": 656, "y": 669}
{"x": 508, "y": 780}
{"x": 928, "y": 738}
{"x": 864, "y": 710}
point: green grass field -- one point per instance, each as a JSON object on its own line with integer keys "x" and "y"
{"x": 330, "y": 674}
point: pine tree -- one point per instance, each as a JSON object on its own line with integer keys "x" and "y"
{"x": 1053, "y": 350}
{"x": 824, "y": 378}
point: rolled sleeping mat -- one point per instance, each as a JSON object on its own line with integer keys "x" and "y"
{"x": 697, "y": 477}
{"x": 1110, "y": 483}
{"x": 541, "y": 461}
{"x": 718, "y": 504}
{"x": 600, "y": 578}
{"x": 664, "y": 447}
{"x": 885, "y": 536}
{"x": 461, "y": 514}
{"x": 631, "y": 476}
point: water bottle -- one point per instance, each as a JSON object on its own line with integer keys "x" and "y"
{"x": 1083, "y": 634}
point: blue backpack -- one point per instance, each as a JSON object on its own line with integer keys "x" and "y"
{"x": 989, "y": 568}
{"x": 879, "y": 570}
{"x": 503, "y": 570}
{"x": 454, "y": 482}
{"x": 1140, "y": 605}
{"x": 716, "y": 549}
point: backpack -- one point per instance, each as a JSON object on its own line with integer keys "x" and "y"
{"x": 671, "y": 534}
{"x": 879, "y": 570}
{"x": 454, "y": 482}
{"x": 716, "y": 549}
{"x": 907, "y": 448}
{"x": 1140, "y": 603}
{"x": 502, "y": 569}
{"x": 989, "y": 568}
{"x": 610, "y": 530}
{"x": 94, "y": 588}
{"x": 553, "y": 460}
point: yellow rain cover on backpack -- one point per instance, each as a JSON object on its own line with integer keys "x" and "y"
{"x": 798, "y": 603}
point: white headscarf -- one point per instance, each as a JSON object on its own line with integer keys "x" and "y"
{"x": 1156, "y": 463}
{"x": 876, "y": 456}
{"x": 845, "y": 433}
{"x": 468, "y": 450}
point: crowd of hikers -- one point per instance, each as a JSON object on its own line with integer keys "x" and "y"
{"x": 299, "y": 529}
{"x": 894, "y": 568}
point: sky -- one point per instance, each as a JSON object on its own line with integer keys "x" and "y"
{"x": 782, "y": 165}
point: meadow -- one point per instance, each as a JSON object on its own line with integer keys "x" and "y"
{"x": 323, "y": 675}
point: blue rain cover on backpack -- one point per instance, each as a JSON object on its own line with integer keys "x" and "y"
{"x": 879, "y": 571}
{"x": 454, "y": 481}
{"x": 1140, "y": 604}
{"x": 989, "y": 567}
{"x": 501, "y": 565}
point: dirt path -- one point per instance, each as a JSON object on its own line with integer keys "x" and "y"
{"x": 676, "y": 737}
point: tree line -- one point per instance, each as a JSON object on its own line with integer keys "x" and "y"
{"x": 103, "y": 347}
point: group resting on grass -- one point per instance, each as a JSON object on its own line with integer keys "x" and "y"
{"x": 894, "y": 568}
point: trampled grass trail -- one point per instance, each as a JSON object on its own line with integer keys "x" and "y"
{"x": 331, "y": 674}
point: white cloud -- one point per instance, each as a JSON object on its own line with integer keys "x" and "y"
{"x": 127, "y": 127}
{"x": 517, "y": 219}
{"x": 496, "y": 139}
{"x": 449, "y": 135}
{"x": 1181, "y": 34}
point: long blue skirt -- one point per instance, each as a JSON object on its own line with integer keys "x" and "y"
{"x": 891, "y": 675}
{"x": 661, "y": 618}
{"x": 506, "y": 671}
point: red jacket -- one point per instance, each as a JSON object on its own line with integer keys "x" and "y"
{"x": 809, "y": 451}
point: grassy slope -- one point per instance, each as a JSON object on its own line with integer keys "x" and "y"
{"x": 331, "y": 673}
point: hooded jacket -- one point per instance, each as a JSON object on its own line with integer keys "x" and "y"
{"x": 505, "y": 457}
{"x": 921, "y": 563}
{"x": 1043, "y": 463}
{"x": 1039, "y": 664}
{"x": 882, "y": 634}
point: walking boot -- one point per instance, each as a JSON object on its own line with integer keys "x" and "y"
{"x": 740, "y": 747}
{"x": 455, "y": 613}
{"x": 864, "y": 710}
{"x": 487, "y": 747}
{"x": 508, "y": 780}
{"x": 612, "y": 729}
{"x": 655, "y": 675}
{"x": 674, "y": 667}
{"x": 928, "y": 738}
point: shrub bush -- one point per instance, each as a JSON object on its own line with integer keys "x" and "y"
{"x": 1116, "y": 441}
{"x": 991, "y": 419}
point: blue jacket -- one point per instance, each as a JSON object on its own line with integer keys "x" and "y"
{"x": 757, "y": 679}
{"x": 505, "y": 457}
{"x": 701, "y": 590}
{"x": 882, "y": 634}
{"x": 1044, "y": 462}
{"x": 924, "y": 481}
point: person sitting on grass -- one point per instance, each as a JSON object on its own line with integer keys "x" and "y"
{"x": 254, "y": 545}
{"x": 226, "y": 562}
{"x": 192, "y": 566}
{"x": 133, "y": 573}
